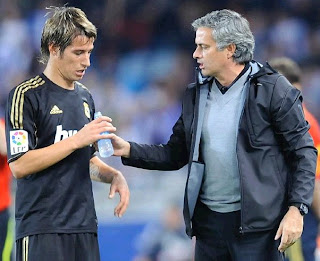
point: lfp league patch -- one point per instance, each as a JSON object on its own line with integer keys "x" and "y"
{"x": 18, "y": 141}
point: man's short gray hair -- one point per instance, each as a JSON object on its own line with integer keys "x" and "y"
{"x": 229, "y": 27}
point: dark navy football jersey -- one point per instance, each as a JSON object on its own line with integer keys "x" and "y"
{"x": 58, "y": 199}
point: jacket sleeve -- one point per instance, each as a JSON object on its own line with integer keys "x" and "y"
{"x": 170, "y": 156}
{"x": 291, "y": 129}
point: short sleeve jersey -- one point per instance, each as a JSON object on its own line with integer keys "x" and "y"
{"x": 58, "y": 199}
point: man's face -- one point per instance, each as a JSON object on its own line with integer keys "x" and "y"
{"x": 72, "y": 63}
{"x": 211, "y": 61}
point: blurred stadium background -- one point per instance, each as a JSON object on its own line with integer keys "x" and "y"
{"x": 141, "y": 64}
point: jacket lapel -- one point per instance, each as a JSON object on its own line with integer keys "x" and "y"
{"x": 202, "y": 96}
{"x": 196, "y": 169}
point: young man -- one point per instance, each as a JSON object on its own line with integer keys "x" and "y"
{"x": 243, "y": 134}
{"x": 50, "y": 131}
{"x": 291, "y": 70}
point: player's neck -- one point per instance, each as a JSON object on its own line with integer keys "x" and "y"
{"x": 57, "y": 78}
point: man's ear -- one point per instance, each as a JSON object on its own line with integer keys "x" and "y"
{"x": 231, "y": 48}
{"x": 53, "y": 50}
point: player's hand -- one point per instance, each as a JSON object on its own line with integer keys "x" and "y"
{"x": 290, "y": 228}
{"x": 119, "y": 185}
{"x": 90, "y": 133}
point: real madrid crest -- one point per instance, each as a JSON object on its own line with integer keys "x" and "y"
{"x": 86, "y": 110}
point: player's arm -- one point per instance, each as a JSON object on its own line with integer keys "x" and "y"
{"x": 99, "y": 171}
{"x": 37, "y": 160}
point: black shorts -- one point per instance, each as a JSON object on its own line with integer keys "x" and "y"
{"x": 58, "y": 247}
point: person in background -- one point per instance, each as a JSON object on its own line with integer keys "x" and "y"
{"x": 291, "y": 70}
{"x": 6, "y": 223}
{"x": 50, "y": 129}
{"x": 165, "y": 241}
{"x": 242, "y": 132}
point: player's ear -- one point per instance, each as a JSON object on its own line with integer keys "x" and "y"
{"x": 53, "y": 49}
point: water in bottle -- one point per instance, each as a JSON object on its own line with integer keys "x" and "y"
{"x": 104, "y": 145}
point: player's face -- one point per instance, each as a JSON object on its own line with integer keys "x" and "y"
{"x": 73, "y": 62}
{"x": 211, "y": 60}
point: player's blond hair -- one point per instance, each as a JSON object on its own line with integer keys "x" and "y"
{"x": 62, "y": 27}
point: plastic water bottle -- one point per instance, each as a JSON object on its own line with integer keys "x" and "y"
{"x": 104, "y": 145}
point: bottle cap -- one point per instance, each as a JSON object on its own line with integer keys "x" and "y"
{"x": 97, "y": 114}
